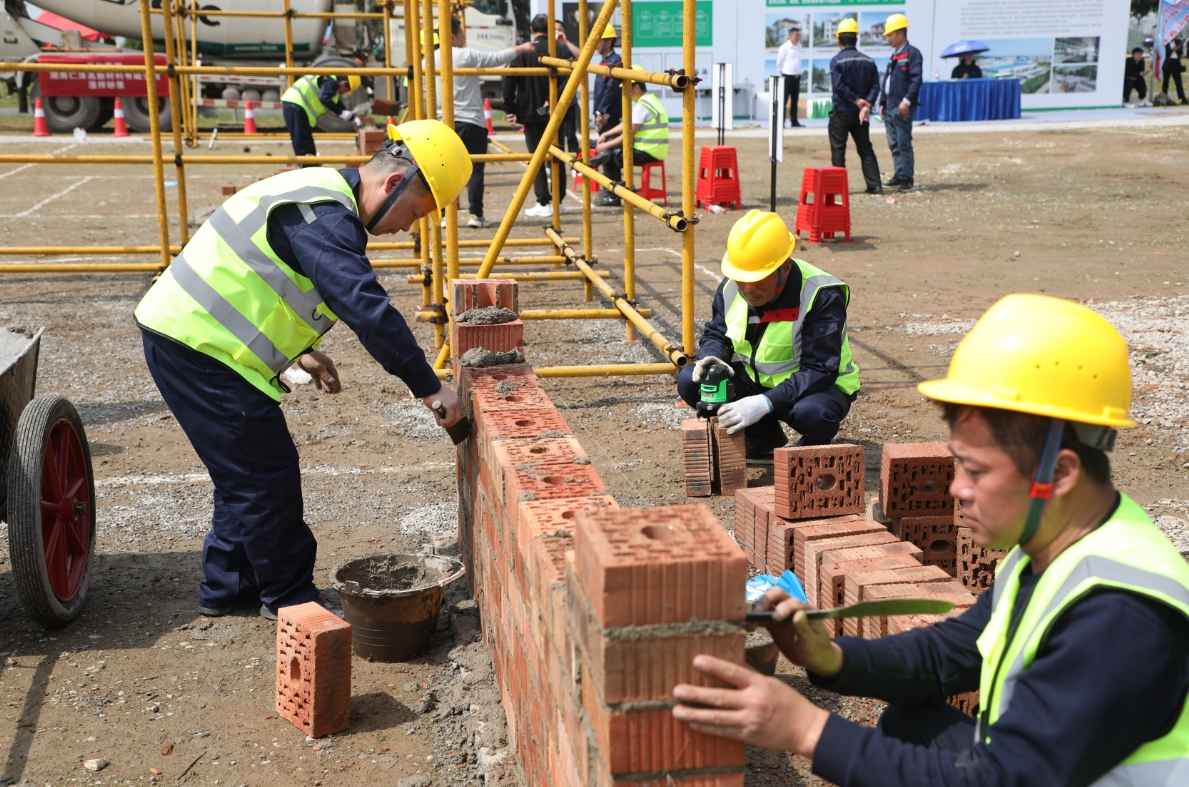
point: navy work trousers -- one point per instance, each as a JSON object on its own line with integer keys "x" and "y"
{"x": 302, "y": 136}
{"x": 259, "y": 545}
{"x": 815, "y": 417}
{"x": 900, "y": 142}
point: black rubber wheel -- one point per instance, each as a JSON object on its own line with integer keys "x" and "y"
{"x": 136, "y": 113}
{"x": 107, "y": 111}
{"x": 63, "y": 114}
{"x": 51, "y": 511}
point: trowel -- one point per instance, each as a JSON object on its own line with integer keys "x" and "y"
{"x": 460, "y": 431}
{"x": 868, "y": 609}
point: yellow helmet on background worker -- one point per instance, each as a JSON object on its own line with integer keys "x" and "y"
{"x": 759, "y": 243}
{"x": 848, "y": 25}
{"x": 436, "y": 41}
{"x": 1041, "y": 355}
{"x": 609, "y": 32}
{"x": 440, "y": 155}
{"x": 895, "y": 22}
{"x": 353, "y": 82}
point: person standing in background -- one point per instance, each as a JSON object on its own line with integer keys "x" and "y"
{"x": 788, "y": 63}
{"x": 967, "y": 69}
{"x": 526, "y": 99}
{"x": 898, "y": 105}
{"x": 856, "y": 88}
{"x": 607, "y": 102}
{"x": 569, "y": 126}
{"x": 1173, "y": 66}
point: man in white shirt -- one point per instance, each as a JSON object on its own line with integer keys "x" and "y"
{"x": 469, "y": 122}
{"x": 788, "y": 63}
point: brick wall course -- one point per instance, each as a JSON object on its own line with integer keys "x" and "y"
{"x": 819, "y": 481}
{"x": 915, "y": 479}
{"x": 313, "y": 686}
{"x": 501, "y": 337}
{"x": 476, "y": 293}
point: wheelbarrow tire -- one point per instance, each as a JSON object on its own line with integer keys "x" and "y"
{"x": 51, "y": 511}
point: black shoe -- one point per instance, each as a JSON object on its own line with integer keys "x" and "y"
{"x": 331, "y": 606}
{"x": 905, "y": 185}
{"x": 599, "y": 159}
{"x": 874, "y": 190}
{"x": 798, "y": 125}
{"x": 895, "y": 181}
{"x": 609, "y": 200}
{"x": 218, "y": 612}
{"x": 760, "y": 446}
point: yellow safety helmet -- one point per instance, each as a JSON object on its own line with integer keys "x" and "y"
{"x": 440, "y": 155}
{"x": 609, "y": 32}
{"x": 895, "y": 22}
{"x": 353, "y": 82}
{"x": 436, "y": 42}
{"x": 848, "y": 25}
{"x": 759, "y": 243}
{"x": 1044, "y": 356}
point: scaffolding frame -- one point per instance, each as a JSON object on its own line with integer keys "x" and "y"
{"x": 437, "y": 251}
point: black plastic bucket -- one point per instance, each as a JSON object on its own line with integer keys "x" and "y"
{"x": 392, "y": 602}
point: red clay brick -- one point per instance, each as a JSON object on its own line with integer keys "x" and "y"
{"x": 819, "y": 481}
{"x": 697, "y": 456}
{"x": 648, "y": 741}
{"x": 876, "y": 552}
{"x": 815, "y": 549}
{"x": 833, "y": 574}
{"x": 948, "y": 591}
{"x": 730, "y": 459}
{"x": 526, "y": 424}
{"x": 228, "y": 189}
{"x": 781, "y": 532}
{"x": 501, "y": 338}
{"x": 967, "y": 702}
{"x": 488, "y": 400}
{"x": 915, "y": 479}
{"x": 829, "y": 529}
{"x": 476, "y": 293}
{"x": 874, "y": 512}
{"x": 853, "y": 584}
{"x": 369, "y": 141}
{"x": 669, "y": 564}
{"x": 313, "y": 669}
{"x": 937, "y": 536}
{"x": 975, "y": 565}
{"x": 548, "y": 481}
{"x": 745, "y": 520}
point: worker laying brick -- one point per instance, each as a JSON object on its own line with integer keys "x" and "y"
{"x": 778, "y": 327}
{"x": 254, "y": 291}
{"x": 308, "y": 99}
{"x": 1080, "y": 651}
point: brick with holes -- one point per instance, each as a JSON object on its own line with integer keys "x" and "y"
{"x": 697, "y": 457}
{"x": 975, "y": 565}
{"x": 730, "y": 459}
{"x": 915, "y": 478}
{"x": 313, "y": 669}
{"x": 819, "y": 481}
{"x": 937, "y": 536}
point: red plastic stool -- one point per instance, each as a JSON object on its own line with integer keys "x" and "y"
{"x": 824, "y": 207}
{"x": 718, "y": 177}
{"x": 594, "y": 187}
{"x": 646, "y": 189}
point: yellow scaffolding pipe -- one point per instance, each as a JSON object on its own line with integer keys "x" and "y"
{"x": 576, "y": 314}
{"x": 446, "y": 54}
{"x": 267, "y": 71}
{"x": 675, "y": 222}
{"x": 565, "y": 67}
{"x": 198, "y": 158}
{"x": 688, "y": 184}
{"x": 603, "y": 370}
{"x": 176, "y": 115}
{"x": 471, "y": 262}
{"x": 629, "y": 168}
{"x": 587, "y": 223}
{"x": 671, "y": 351}
{"x": 555, "y": 119}
{"x": 417, "y": 278}
{"x": 18, "y": 250}
{"x": 289, "y": 41}
{"x": 278, "y": 14}
{"x": 465, "y": 244}
{"x": 435, "y": 227}
{"x": 150, "y": 74}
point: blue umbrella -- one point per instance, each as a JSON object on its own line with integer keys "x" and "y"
{"x": 962, "y": 47}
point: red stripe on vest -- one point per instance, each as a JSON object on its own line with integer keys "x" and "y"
{"x": 780, "y": 315}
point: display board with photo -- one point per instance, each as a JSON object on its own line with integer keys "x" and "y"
{"x": 778, "y": 25}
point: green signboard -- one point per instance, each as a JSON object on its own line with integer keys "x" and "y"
{"x": 827, "y": 3}
{"x": 659, "y": 24}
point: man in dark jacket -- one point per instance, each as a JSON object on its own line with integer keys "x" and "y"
{"x": 1133, "y": 75}
{"x": 898, "y": 105}
{"x": 856, "y": 88}
{"x": 526, "y": 99}
{"x": 1173, "y": 67}
{"x": 607, "y": 104}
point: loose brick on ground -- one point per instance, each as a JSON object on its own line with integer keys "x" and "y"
{"x": 829, "y": 529}
{"x": 853, "y": 584}
{"x": 697, "y": 455}
{"x": 915, "y": 479}
{"x": 730, "y": 458}
{"x": 313, "y": 669}
{"x": 819, "y": 481}
{"x": 811, "y": 557}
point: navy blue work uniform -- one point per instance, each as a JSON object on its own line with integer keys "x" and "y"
{"x": 902, "y": 83}
{"x": 808, "y": 400}
{"x": 260, "y": 549}
{"x": 1071, "y": 720}
{"x": 854, "y": 77}
{"x": 298, "y": 122}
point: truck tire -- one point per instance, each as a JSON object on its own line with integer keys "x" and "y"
{"x": 63, "y": 114}
{"x": 107, "y": 111}
{"x": 136, "y": 113}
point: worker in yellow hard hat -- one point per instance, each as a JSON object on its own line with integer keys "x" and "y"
{"x": 308, "y": 99}
{"x": 607, "y": 98}
{"x": 778, "y": 328}
{"x": 1079, "y": 649}
{"x": 856, "y": 88}
{"x": 236, "y": 320}
{"x": 898, "y": 103}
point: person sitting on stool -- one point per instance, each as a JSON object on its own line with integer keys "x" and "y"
{"x": 650, "y": 143}
{"x": 310, "y": 98}
{"x": 781, "y": 322}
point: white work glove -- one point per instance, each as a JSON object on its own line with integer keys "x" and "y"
{"x": 743, "y": 413}
{"x": 347, "y": 114}
{"x": 703, "y": 366}
{"x": 358, "y": 122}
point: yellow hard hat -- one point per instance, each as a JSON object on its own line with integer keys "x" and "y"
{"x": 436, "y": 42}
{"x": 353, "y": 82}
{"x": 848, "y": 25}
{"x": 895, "y": 22}
{"x": 1044, "y": 356}
{"x": 609, "y": 32}
{"x": 759, "y": 243}
{"x": 440, "y": 155}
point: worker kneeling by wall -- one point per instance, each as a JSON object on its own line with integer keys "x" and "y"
{"x": 778, "y": 329}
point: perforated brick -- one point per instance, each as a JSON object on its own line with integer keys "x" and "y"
{"x": 853, "y": 584}
{"x": 780, "y": 545}
{"x": 476, "y": 293}
{"x": 545, "y": 422}
{"x": 650, "y": 741}
{"x": 975, "y": 565}
{"x": 669, "y": 564}
{"x": 730, "y": 458}
{"x": 815, "y": 549}
{"x": 499, "y": 338}
{"x": 819, "y": 481}
{"x": 833, "y": 573}
{"x": 491, "y": 400}
{"x": 313, "y": 669}
{"x": 697, "y": 457}
{"x": 548, "y": 481}
{"x": 829, "y": 529}
{"x": 915, "y": 479}
{"x": 948, "y": 591}
{"x": 937, "y": 536}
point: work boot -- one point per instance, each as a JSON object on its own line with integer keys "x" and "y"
{"x": 895, "y": 181}
{"x": 599, "y": 159}
{"x": 607, "y": 200}
{"x": 331, "y": 606}
{"x": 760, "y": 446}
{"x": 905, "y": 185}
{"x": 874, "y": 190}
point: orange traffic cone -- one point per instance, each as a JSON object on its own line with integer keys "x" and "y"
{"x": 249, "y": 118}
{"x": 40, "y": 129}
{"x": 121, "y": 129}
{"x": 487, "y": 115}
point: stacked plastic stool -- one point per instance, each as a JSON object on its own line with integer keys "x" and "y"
{"x": 718, "y": 177}
{"x": 594, "y": 186}
{"x": 646, "y": 189}
{"x": 824, "y": 208}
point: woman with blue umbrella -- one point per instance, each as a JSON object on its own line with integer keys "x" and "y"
{"x": 967, "y": 68}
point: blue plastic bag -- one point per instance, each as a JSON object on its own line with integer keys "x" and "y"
{"x": 788, "y": 582}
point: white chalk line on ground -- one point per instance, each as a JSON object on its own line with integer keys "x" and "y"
{"x": 51, "y": 198}
{"x": 194, "y": 478}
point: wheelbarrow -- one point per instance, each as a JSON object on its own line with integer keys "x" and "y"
{"x": 47, "y": 487}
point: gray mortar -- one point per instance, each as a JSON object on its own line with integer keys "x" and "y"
{"x": 389, "y": 576}
{"x": 487, "y": 315}
{"x": 549, "y": 434}
{"x": 479, "y": 357}
{"x": 582, "y": 460}
{"x": 525, "y": 497}
{"x": 663, "y": 630}
{"x": 504, "y": 388}
{"x": 14, "y": 341}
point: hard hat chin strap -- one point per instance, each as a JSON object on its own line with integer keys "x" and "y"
{"x": 1042, "y": 487}
{"x": 393, "y": 197}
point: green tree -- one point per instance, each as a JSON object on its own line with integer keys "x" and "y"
{"x": 1141, "y": 8}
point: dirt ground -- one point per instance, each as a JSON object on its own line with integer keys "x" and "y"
{"x": 1077, "y": 213}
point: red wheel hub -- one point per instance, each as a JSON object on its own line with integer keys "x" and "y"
{"x": 65, "y": 510}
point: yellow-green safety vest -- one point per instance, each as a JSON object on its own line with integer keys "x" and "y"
{"x": 304, "y": 93}
{"x": 779, "y": 354}
{"x": 1127, "y": 552}
{"x": 653, "y": 136}
{"x": 228, "y": 295}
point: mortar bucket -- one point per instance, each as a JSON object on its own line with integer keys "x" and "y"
{"x": 392, "y": 602}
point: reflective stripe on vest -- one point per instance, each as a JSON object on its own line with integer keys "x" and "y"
{"x": 304, "y": 93}
{"x": 230, "y": 296}
{"x": 812, "y": 280}
{"x": 653, "y": 136}
{"x": 1127, "y": 552}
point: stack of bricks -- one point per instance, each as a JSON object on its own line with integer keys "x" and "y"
{"x": 976, "y": 565}
{"x": 715, "y": 462}
{"x": 499, "y": 337}
{"x": 592, "y": 613}
{"x": 915, "y": 502}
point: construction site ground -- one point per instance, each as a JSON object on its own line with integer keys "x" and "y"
{"x": 160, "y": 693}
